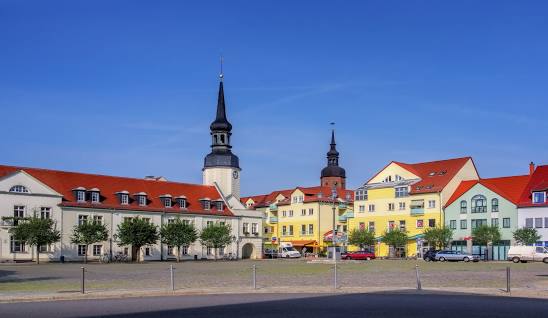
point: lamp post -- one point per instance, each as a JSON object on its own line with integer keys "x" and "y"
{"x": 237, "y": 241}
{"x": 334, "y": 234}
{"x": 115, "y": 237}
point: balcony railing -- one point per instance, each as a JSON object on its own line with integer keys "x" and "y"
{"x": 479, "y": 209}
{"x": 6, "y": 223}
{"x": 417, "y": 211}
{"x": 273, "y": 219}
{"x": 342, "y": 218}
{"x": 343, "y": 205}
{"x": 349, "y": 214}
{"x": 273, "y": 207}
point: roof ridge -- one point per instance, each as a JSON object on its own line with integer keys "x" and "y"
{"x": 425, "y": 162}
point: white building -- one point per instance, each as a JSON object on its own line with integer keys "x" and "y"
{"x": 533, "y": 205}
{"x": 70, "y": 198}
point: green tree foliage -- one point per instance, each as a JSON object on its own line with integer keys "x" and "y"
{"x": 137, "y": 232}
{"x": 36, "y": 232}
{"x": 361, "y": 238}
{"x": 88, "y": 233}
{"x": 395, "y": 238}
{"x": 526, "y": 236}
{"x": 485, "y": 235}
{"x": 216, "y": 236}
{"x": 438, "y": 237}
{"x": 178, "y": 234}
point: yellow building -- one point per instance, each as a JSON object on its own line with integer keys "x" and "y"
{"x": 303, "y": 216}
{"x": 409, "y": 197}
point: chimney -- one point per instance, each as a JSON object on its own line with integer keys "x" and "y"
{"x": 531, "y": 168}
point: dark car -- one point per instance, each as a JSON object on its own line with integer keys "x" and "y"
{"x": 358, "y": 255}
{"x": 430, "y": 255}
{"x": 270, "y": 253}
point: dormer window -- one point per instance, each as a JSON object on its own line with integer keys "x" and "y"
{"x": 123, "y": 197}
{"x": 141, "y": 198}
{"x": 206, "y": 203}
{"x": 348, "y": 197}
{"x": 166, "y": 200}
{"x": 95, "y": 195}
{"x": 219, "y": 205}
{"x": 80, "y": 194}
{"x": 19, "y": 189}
{"x": 181, "y": 200}
{"x": 539, "y": 197}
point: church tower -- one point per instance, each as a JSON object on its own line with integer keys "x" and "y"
{"x": 333, "y": 174}
{"x": 221, "y": 166}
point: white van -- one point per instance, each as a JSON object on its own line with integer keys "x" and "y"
{"x": 524, "y": 254}
{"x": 287, "y": 250}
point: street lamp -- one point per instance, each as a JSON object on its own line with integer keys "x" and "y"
{"x": 237, "y": 240}
{"x": 115, "y": 236}
{"x": 334, "y": 237}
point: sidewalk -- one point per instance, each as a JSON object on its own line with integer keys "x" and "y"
{"x": 517, "y": 292}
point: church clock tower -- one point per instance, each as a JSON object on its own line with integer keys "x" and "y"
{"x": 221, "y": 166}
{"x": 333, "y": 174}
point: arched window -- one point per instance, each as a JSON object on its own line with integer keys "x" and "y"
{"x": 19, "y": 189}
{"x": 479, "y": 204}
{"x": 463, "y": 206}
{"x": 495, "y": 205}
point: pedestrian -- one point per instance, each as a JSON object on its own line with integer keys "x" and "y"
{"x": 304, "y": 251}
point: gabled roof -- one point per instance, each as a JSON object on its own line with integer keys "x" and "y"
{"x": 310, "y": 195}
{"x": 538, "y": 182}
{"x": 509, "y": 188}
{"x": 64, "y": 182}
{"x": 434, "y": 175}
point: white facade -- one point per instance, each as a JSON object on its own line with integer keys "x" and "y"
{"x": 226, "y": 178}
{"x": 536, "y": 217}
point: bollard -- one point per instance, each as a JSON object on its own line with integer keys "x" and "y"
{"x": 508, "y": 279}
{"x": 83, "y": 287}
{"x": 254, "y": 276}
{"x": 335, "y": 282}
{"x": 419, "y": 287}
{"x": 171, "y": 276}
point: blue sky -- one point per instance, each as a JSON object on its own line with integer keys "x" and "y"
{"x": 129, "y": 87}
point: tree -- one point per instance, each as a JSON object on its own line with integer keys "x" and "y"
{"x": 178, "y": 234}
{"x": 395, "y": 238}
{"x": 88, "y": 233}
{"x": 526, "y": 236}
{"x": 216, "y": 236}
{"x": 361, "y": 238}
{"x": 36, "y": 232}
{"x": 486, "y": 235}
{"x": 137, "y": 232}
{"x": 438, "y": 237}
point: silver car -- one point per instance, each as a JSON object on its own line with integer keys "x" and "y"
{"x": 443, "y": 256}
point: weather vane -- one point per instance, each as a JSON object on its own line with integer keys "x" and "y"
{"x": 221, "y": 75}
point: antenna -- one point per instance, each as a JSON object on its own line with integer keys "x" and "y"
{"x": 221, "y": 75}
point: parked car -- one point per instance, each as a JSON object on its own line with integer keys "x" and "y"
{"x": 286, "y": 250}
{"x": 358, "y": 255}
{"x": 430, "y": 255}
{"x": 446, "y": 255}
{"x": 524, "y": 254}
{"x": 270, "y": 253}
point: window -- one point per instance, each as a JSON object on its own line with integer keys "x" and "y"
{"x": 361, "y": 208}
{"x": 219, "y": 205}
{"x": 291, "y": 230}
{"x": 254, "y": 228}
{"x": 495, "y": 222}
{"x": 98, "y": 219}
{"x": 361, "y": 195}
{"x": 206, "y": 204}
{"x": 495, "y": 205}
{"x": 463, "y": 224}
{"x": 81, "y": 250}
{"x": 80, "y": 196}
{"x": 284, "y": 230}
{"x": 431, "y": 204}
{"x": 390, "y": 206}
{"x": 16, "y": 246}
{"x": 221, "y": 251}
{"x": 19, "y": 189}
{"x": 185, "y": 250}
{"x": 124, "y": 198}
{"x": 310, "y": 229}
{"x": 362, "y": 226}
{"x": 167, "y": 202}
{"x": 82, "y": 219}
{"x": 245, "y": 228}
{"x": 222, "y": 223}
{"x": 303, "y": 212}
{"x": 284, "y": 213}
{"x": 95, "y": 197}
{"x": 538, "y": 223}
{"x": 97, "y": 250}
{"x": 463, "y": 206}
{"x": 18, "y": 212}
{"x": 453, "y": 224}
{"x": 479, "y": 204}
{"x": 371, "y": 208}
{"x": 478, "y": 222}
{"x": 345, "y": 228}
{"x": 45, "y": 213}
{"x": 146, "y": 220}
{"x": 402, "y": 225}
{"x": 420, "y": 224}
{"x": 539, "y": 197}
{"x": 142, "y": 200}
{"x": 170, "y": 250}
{"x": 303, "y": 229}
{"x": 290, "y": 213}
{"x": 371, "y": 227}
{"x": 310, "y": 211}
{"x": 529, "y": 223}
{"x": 431, "y": 222}
{"x": 187, "y": 222}
{"x": 546, "y": 222}
{"x": 147, "y": 251}
{"x": 402, "y": 205}
{"x": 401, "y": 192}
{"x": 45, "y": 248}
{"x": 182, "y": 203}
{"x": 391, "y": 225}
{"x": 506, "y": 223}
{"x": 210, "y": 223}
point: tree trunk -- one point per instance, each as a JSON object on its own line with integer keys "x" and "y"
{"x": 86, "y": 255}
{"x": 178, "y": 254}
{"x": 215, "y": 253}
{"x": 37, "y": 254}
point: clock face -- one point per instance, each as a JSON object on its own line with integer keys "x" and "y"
{"x": 235, "y": 174}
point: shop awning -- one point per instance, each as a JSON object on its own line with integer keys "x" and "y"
{"x": 304, "y": 243}
{"x": 418, "y": 236}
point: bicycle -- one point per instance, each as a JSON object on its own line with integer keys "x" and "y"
{"x": 105, "y": 259}
{"x": 121, "y": 258}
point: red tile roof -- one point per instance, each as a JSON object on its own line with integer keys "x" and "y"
{"x": 509, "y": 188}
{"x": 538, "y": 182}
{"x": 64, "y": 182}
{"x": 434, "y": 175}
{"x": 310, "y": 195}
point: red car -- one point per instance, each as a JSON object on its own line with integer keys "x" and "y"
{"x": 358, "y": 255}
